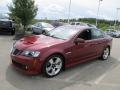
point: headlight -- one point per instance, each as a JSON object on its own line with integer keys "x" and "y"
{"x": 12, "y": 48}
{"x": 31, "y": 53}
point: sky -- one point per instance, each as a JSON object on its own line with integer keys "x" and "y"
{"x": 56, "y": 9}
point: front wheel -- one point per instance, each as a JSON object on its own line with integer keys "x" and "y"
{"x": 105, "y": 54}
{"x": 44, "y": 32}
{"x": 53, "y": 66}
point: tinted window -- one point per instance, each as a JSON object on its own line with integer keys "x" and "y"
{"x": 96, "y": 34}
{"x": 38, "y": 25}
{"x": 86, "y": 35}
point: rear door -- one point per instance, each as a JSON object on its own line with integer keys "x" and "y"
{"x": 98, "y": 38}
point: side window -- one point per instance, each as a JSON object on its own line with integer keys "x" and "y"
{"x": 86, "y": 35}
{"x": 97, "y": 34}
{"x": 39, "y": 25}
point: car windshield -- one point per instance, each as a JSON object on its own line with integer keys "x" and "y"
{"x": 37, "y": 24}
{"x": 46, "y": 25}
{"x": 62, "y": 33}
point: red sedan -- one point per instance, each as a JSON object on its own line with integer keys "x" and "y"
{"x": 60, "y": 48}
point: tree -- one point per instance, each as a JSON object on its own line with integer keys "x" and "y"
{"x": 23, "y": 11}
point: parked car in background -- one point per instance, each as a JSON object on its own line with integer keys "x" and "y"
{"x": 57, "y": 24}
{"x": 60, "y": 48}
{"x": 83, "y": 24}
{"x": 41, "y": 28}
{"x": 113, "y": 33}
{"x": 110, "y": 32}
{"x": 116, "y": 34}
{"x": 7, "y": 26}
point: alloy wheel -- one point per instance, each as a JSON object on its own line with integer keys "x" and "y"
{"x": 54, "y": 66}
{"x": 106, "y": 53}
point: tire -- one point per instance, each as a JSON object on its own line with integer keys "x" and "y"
{"x": 43, "y": 32}
{"x": 106, "y": 53}
{"x": 13, "y": 32}
{"x": 53, "y": 66}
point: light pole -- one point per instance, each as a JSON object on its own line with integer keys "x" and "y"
{"x": 98, "y": 12}
{"x": 116, "y": 18}
{"x": 69, "y": 11}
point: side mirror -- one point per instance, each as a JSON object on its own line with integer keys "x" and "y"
{"x": 79, "y": 40}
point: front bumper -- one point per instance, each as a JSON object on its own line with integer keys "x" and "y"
{"x": 6, "y": 29}
{"x": 31, "y": 66}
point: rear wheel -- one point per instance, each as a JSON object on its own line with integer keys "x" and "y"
{"x": 53, "y": 66}
{"x": 105, "y": 54}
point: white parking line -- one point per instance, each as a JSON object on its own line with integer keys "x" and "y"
{"x": 118, "y": 59}
{"x": 110, "y": 84}
{"x": 70, "y": 81}
{"x": 72, "y": 76}
{"x": 98, "y": 80}
{"x": 76, "y": 74}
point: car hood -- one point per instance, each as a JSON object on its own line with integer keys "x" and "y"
{"x": 37, "y": 42}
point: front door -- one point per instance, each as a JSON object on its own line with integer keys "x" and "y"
{"x": 82, "y": 51}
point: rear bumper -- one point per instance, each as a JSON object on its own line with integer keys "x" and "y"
{"x": 26, "y": 65}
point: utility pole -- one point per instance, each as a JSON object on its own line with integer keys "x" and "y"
{"x": 69, "y": 11}
{"x": 116, "y": 18}
{"x": 98, "y": 12}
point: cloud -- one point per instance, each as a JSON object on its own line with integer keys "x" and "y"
{"x": 55, "y": 9}
{"x": 91, "y": 13}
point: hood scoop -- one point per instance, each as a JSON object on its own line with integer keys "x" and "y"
{"x": 29, "y": 40}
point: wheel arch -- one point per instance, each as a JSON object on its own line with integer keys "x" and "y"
{"x": 108, "y": 46}
{"x": 56, "y": 53}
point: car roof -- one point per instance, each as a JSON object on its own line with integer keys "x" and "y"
{"x": 75, "y": 27}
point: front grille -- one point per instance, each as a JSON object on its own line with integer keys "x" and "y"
{"x": 16, "y": 51}
{"x": 19, "y": 65}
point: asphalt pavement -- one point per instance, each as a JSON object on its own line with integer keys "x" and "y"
{"x": 92, "y": 75}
